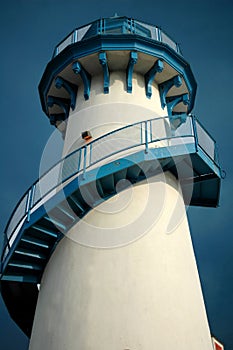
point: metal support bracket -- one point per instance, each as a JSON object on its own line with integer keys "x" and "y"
{"x": 166, "y": 86}
{"x": 132, "y": 61}
{"x": 86, "y": 78}
{"x": 150, "y": 76}
{"x": 69, "y": 87}
{"x": 172, "y": 101}
{"x": 63, "y": 103}
{"x": 104, "y": 63}
{"x": 54, "y": 118}
{"x": 177, "y": 119}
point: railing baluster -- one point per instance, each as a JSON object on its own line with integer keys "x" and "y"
{"x": 146, "y": 137}
{"x": 195, "y": 131}
{"x": 30, "y": 202}
{"x": 151, "y": 131}
{"x": 75, "y": 36}
{"x": 90, "y": 155}
{"x": 84, "y": 162}
{"x": 79, "y": 160}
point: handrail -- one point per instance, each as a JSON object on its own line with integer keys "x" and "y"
{"x": 145, "y": 132}
{"x": 117, "y": 25}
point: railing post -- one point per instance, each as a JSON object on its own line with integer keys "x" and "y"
{"x": 141, "y": 133}
{"x": 84, "y": 162}
{"x": 159, "y": 34}
{"x": 146, "y": 137}
{"x": 79, "y": 160}
{"x": 90, "y": 155}
{"x": 216, "y": 154}
{"x": 30, "y": 202}
{"x": 195, "y": 131}
{"x": 151, "y": 135}
{"x": 75, "y": 36}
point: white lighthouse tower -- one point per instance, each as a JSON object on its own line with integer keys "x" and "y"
{"x": 104, "y": 232}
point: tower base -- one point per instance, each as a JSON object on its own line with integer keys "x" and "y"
{"x": 140, "y": 294}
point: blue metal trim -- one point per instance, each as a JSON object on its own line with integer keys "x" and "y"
{"x": 150, "y": 76}
{"x": 165, "y": 86}
{"x": 104, "y": 64}
{"x": 129, "y": 74}
{"x": 172, "y": 101}
{"x": 69, "y": 87}
{"x": 127, "y": 42}
{"x": 63, "y": 103}
{"x": 86, "y": 78}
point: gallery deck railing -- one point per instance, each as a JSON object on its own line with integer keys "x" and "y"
{"x": 158, "y": 131}
{"x": 116, "y": 26}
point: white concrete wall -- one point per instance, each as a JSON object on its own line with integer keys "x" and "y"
{"x": 106, "y": 112}
{"x": 143, "y": 292}
{"x": 144, "y": 295}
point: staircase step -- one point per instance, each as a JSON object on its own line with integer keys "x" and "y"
{"x": 99, "y": 188}
{"x": 133, "y": 172}
{"x": 23, "y": 265}
{"x": 75, "y": 205}
{"x": 55, "y": 222}
{"x": 61, "y": 217}
{"x": 35, "y": 242}
{"x": 77, "y": 196}
{"x": 65, "y": 208}
{"x": 46, "y": 231}
{"x": 90, "y": 194}
{"x": 23, "y": 277}
{"x": 120, "y": 175}
{"x": 30, "y": 254}
{"x": 107, "y": 184}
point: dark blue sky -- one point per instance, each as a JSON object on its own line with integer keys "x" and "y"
{"x": 30, "y": 29}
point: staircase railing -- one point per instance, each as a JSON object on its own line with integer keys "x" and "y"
{"x": 156, "y": 131}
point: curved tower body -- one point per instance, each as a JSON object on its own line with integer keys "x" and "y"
{"x": 105, "y": 231}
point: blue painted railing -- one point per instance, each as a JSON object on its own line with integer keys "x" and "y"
{"x": 157, "y": 131}
{"x": 116, "y": 26}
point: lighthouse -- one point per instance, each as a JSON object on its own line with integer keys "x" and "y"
{"x": 98, "y": 253}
